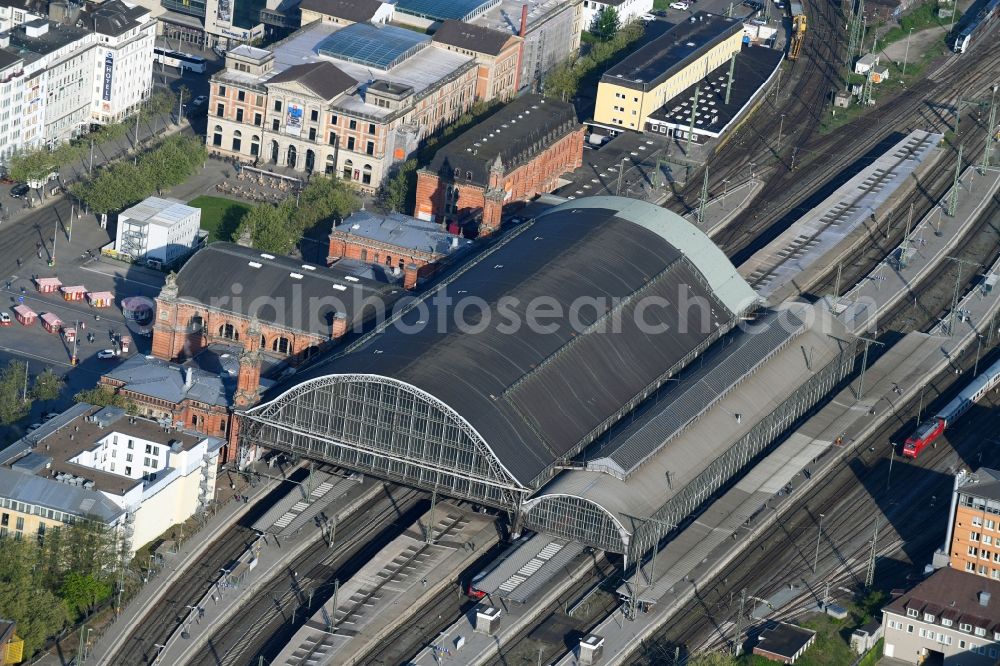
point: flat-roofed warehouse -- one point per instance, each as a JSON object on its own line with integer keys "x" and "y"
{"x": 533, "y": 420}
{"x": 662, "y": 69}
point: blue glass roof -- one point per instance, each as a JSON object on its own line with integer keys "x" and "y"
{"x": 442, "y": 10}
{"x": 382, "y": 47}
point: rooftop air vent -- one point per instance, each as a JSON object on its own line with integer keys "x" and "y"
{"x": 351, "y": 278}
{"x": 295, "y": 276}
{"x": 255, "y": 264}
{"x": 340, "y": 287}
{"x": 267, "y": 256}
{"x": 308, "y": 267}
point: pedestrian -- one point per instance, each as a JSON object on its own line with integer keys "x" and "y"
{"x": 39, "y": 254}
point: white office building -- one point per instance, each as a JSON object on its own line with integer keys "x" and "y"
{"x": 158, "y": 231}
{"x": 628, "y": 10}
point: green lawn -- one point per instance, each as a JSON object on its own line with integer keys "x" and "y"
{"x": 220, "y": 216}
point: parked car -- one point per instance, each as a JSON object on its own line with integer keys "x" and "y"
{"x": 19, "y": 191}
{"x": 4, "y": 318}
{"x": 683, "y": 6}
{"x": 199, "y": 100}
{"x": 48, "y": 416}
{"x": 34, "y": 426}
{"x": 106, "y": 354}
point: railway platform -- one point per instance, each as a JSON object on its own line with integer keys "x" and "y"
{"x": 538, "y": 587}
{"x": 720, "y": 210}
{"x": 267, "y": 558}
{"x": 304, "y": 503}
{"x": 791, "y": 263}
{"x": 717, "y": 536}
{"x": 404, "y": 575}
{"x": 930, "y": 240}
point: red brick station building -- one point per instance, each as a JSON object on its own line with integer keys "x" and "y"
{"x": 514, "y": 155}
{"x": 232, "y": 319}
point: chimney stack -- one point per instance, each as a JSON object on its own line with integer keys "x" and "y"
{"x": 188, "y": 377}
{"x": 339, "y": 325}
{"x": 410, "y": 274}
{"x": 524, "y": 21}
{"x": 984, "y": 598}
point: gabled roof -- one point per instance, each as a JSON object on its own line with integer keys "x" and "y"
{"x": 349, "y": 10}
{"x": 958, "y": 592}
{"x": 159, "y": 379}
{"x": 472, "y": 37}
{"x": 114, "y": 18}
{"x": 58, "y": 496}
{"x": 323, "y": 78}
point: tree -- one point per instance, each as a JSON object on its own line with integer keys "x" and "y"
{"x": 47, "y": 386}
{"x": 102, "y": 396}
{"x": 270, "y": 228}
{"x": 323, "y": 198}
{"x": 82, "y": 592}
{"x": 606, "y": 24}
{"x": 398, "y": 192}
{"x": 13, "y": 406}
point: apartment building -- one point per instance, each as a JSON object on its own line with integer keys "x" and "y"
{"x": 498, "y": 55}
{"x": 347, "y": 101}
{"x": 951, "y": 617}
{"x": 99, "y": 464}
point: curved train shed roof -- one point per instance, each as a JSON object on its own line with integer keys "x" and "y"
{"x": 537, "y": 395}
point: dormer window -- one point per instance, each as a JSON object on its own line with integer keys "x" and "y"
{"x": 912, "y": 612}
{"x": 964, "y": 626}
{"x": 928, "y": 617}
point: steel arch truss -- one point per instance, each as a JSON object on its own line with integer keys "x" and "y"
{"x": 385, "y": 427}
{"x": 576, "y": 519}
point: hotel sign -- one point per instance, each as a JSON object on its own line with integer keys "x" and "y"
{"x": 109, "y": 70}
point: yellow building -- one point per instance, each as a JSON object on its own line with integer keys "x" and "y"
{"x": 649, "y": 78}
{"x": 11, "y": 647}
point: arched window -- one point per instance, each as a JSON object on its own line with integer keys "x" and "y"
{"x": 229, "y": 332}
{"x": 330, "y": 167}
{"x": 468, "y": 175}
{"x": 222, "y": 425}
{"x": 263, "y": 341}
{"x": 217, "y": 136}
{"x": 195, "y": 324}
{"x": 237, "y": 141}
{"x": 281, "y": 345}
{"x": 366, "y": 174}
{"x": 291, "y": 156}
{"x": 348, "y": 169}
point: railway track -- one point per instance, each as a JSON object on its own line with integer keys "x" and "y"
{"x": 271, "y": 617}
{"x": 170, "y": 611}
{"x": 788, "y": 194}
{"x": 786, "y": 550}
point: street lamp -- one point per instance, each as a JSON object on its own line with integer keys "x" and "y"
{"x": 819, "y": 534}
{"x": 725, "y": 191}
{"x": 892, "y": 454}
{"x": 906, "y": 54}
{"x": 781, "y": 127}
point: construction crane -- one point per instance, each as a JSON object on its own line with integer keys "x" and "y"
{"x": 798, "y": 36}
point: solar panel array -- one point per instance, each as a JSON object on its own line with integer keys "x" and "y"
{"x": 381, "y": 47}
{"x": 696, "y": 394}
{"x": 442, "y": 10}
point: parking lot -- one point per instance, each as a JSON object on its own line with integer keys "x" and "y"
{"x": 671, "y": 15}
{"x": 23, "y": 241}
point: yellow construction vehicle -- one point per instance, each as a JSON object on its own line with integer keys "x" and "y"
{"x": 798, "y": 36}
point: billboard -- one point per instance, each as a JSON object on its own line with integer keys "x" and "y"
{"x": 293, "y": 122}
{"x": 109, "y": 71}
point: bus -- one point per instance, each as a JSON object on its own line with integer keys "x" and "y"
{"x": 180, "y": 60}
